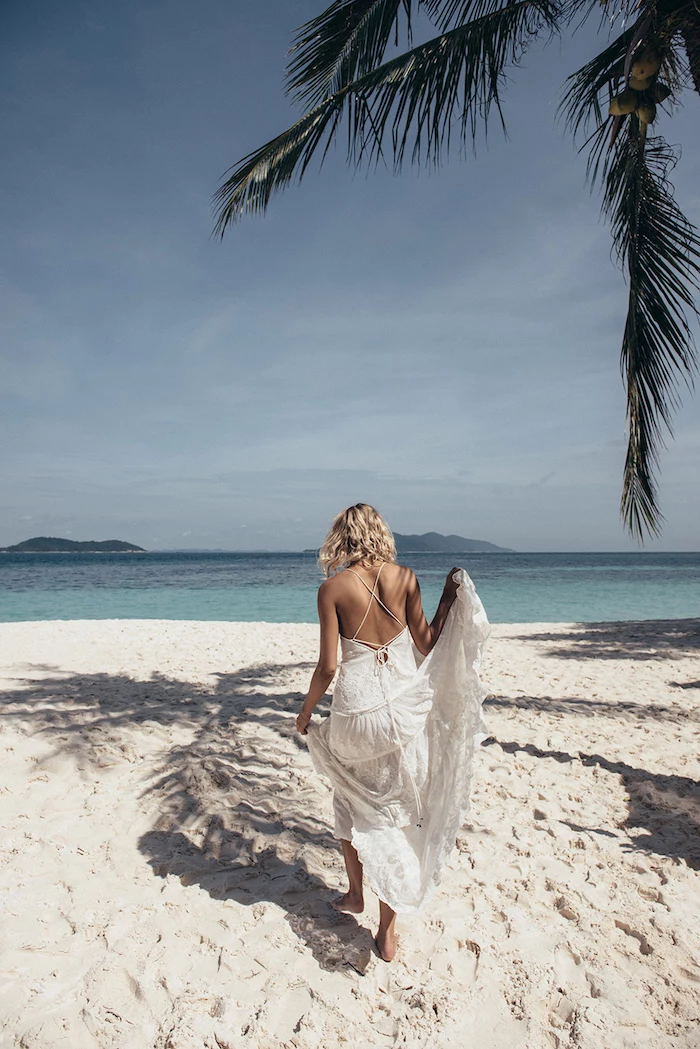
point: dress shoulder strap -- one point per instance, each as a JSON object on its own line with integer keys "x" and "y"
{"x": 364, "y": 583}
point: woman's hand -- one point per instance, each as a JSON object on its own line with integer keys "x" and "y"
{"x": 303, "y": 720}
{"x": 451, "y": 586}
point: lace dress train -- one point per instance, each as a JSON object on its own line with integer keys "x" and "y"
{"x": 398, "y": 748}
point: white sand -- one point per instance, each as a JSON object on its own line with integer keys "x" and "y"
{"x": 168, "y": 864}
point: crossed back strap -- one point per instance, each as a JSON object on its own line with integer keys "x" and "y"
{"x": 372, "y": 595}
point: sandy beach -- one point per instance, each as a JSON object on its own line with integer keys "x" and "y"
{"x": 168, "y": 864}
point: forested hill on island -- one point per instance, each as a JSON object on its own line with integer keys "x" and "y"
{"x": 49, "y": 545}
{"x": 434, "y": 543}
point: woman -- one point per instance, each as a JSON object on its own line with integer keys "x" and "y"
{"x": 406, "y": 713}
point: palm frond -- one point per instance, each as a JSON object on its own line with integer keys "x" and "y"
{"x": 582, "y": 98}
{"x": 343, "y": 43}
{"x": 420, "y": 97}
{"x": 690, "y": 34}
{"x": 675, "y": 70}
{"x": 272, "y": 167}
{"x": 448, "y": 14}
{"x": 661, "y": 251}
{"x": 589, "y": 90}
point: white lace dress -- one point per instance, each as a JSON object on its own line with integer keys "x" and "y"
{"x": 398, "y": 748}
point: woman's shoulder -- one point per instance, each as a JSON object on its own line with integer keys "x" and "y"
{"x": 399, "y": 580}
{"x": 394, "y": 570}
{"x": 333, "y": 583}
{"x": 398, "y": 577}
{"x": 390, "y": 570}
{"x": 405, "y": 576}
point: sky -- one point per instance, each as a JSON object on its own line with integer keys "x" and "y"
{"x": 444, "y": 345}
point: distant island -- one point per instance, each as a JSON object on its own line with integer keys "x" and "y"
{"x": 434, "y": 543}
{"x": 50, "y": 545}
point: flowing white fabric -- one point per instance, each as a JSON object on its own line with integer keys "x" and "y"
{"x": 399, "y": 745}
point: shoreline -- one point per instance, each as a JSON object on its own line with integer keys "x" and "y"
{"x": 170, "y": 865}
{"x": 526, "y": 624}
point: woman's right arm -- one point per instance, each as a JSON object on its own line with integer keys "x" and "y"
{"x": 328, "y": 657}
{"x": 425, "y": 634}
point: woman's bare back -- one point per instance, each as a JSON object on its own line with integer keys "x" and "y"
{"x": 354, "y": 602}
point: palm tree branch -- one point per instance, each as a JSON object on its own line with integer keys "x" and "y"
{"x": 344, "y": 42}
{"x": 591, "y": 87}
{"x": 453, "y": 79}
{"x": 447, "y": 14}
{"x": 661, "y": 251}
{"x": 582, "y": 97}
{"x": 351, "y": 37}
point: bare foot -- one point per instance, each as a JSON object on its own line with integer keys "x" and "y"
{"x": 387, "y": 945}
{"x": 349, "y": 903}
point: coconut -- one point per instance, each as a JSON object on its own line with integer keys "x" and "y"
{"x": 640, "y": 85}
{"x": 646, "y": 113}
{"x": 625, "y": 102}
{"x": 646, "y": 63}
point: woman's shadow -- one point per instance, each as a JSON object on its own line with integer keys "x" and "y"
{"x": 336, "y": 940}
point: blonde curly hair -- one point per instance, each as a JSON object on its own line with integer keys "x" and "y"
{"x": 359, "y": 533}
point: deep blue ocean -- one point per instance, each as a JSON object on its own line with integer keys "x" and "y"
{"x": 278, "y": 588}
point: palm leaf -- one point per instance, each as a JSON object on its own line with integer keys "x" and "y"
{"x": 347, "y": 40}
{"x": 449, "y": 14}
{"x": 582, "y": 98}
{"x": 420, "y": 97}
{"x": 661, "y": 251}
{"x": 591, "y": 87}
{"x": 351, "y": 37}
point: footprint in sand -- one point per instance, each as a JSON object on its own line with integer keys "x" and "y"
{"x": 562, "y": 1009}
{"x": 649, "y": 893}
{"x": 565, "y": 908}
{"x": 569, "y": 972}
{"x": 692, "y": 973}
{"x": 571, "y": 985}
{"x": 644, "y": 945}
{"x": 464, "y": 961}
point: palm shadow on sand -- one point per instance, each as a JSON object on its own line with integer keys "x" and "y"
{"x": 657, "y": 639}
{"x": 231, "y": 806}
{"x": 666, "y": 808}
{"x": 234, "y": 802}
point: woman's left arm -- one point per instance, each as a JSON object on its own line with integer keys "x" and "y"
{"x": 327, "y": 660}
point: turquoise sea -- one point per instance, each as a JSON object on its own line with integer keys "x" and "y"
{"x": 278, "y": 588}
